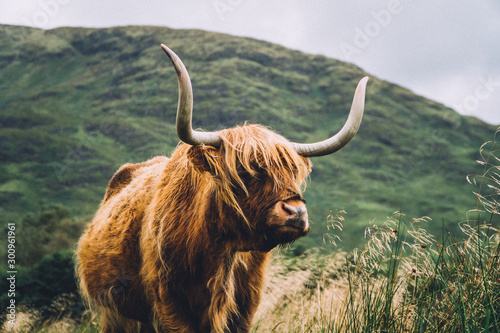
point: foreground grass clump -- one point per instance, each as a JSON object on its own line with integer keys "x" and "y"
{"x": 405, "y": 280}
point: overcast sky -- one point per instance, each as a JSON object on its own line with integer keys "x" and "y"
{"x": 446, "y": 50}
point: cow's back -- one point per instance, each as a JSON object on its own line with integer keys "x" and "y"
{"x": 108, "y": 254}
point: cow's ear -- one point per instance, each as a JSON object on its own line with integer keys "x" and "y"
{"x": 204, "y": 158}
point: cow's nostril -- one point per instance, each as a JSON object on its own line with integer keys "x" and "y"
{"x": 289, "y": 209}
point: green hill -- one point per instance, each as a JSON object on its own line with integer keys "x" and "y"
{"x": 77, "y": 103}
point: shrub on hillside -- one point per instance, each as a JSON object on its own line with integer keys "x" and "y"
{"x": 49, "y": 287}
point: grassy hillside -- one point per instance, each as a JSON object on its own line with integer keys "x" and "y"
{"x": 77, "y": 103}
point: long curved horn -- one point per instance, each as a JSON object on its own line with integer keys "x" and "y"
{"x": 185, "y": 108}
{"x": 347, "y": 132}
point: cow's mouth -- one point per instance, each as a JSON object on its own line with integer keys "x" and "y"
{"x": 298, "y": 224}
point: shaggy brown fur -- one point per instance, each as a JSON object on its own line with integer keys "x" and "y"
{"x": 181, "y": 244}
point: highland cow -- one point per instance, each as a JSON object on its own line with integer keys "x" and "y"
{"x": 181, "y": 244}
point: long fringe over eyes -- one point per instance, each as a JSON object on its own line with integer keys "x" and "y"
{"x": 254, "y": 149}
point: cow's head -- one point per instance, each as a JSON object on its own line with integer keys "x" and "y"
{"x": 257, "y": 173}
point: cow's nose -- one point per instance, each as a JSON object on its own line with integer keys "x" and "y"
{"x": 295, "y": 213}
